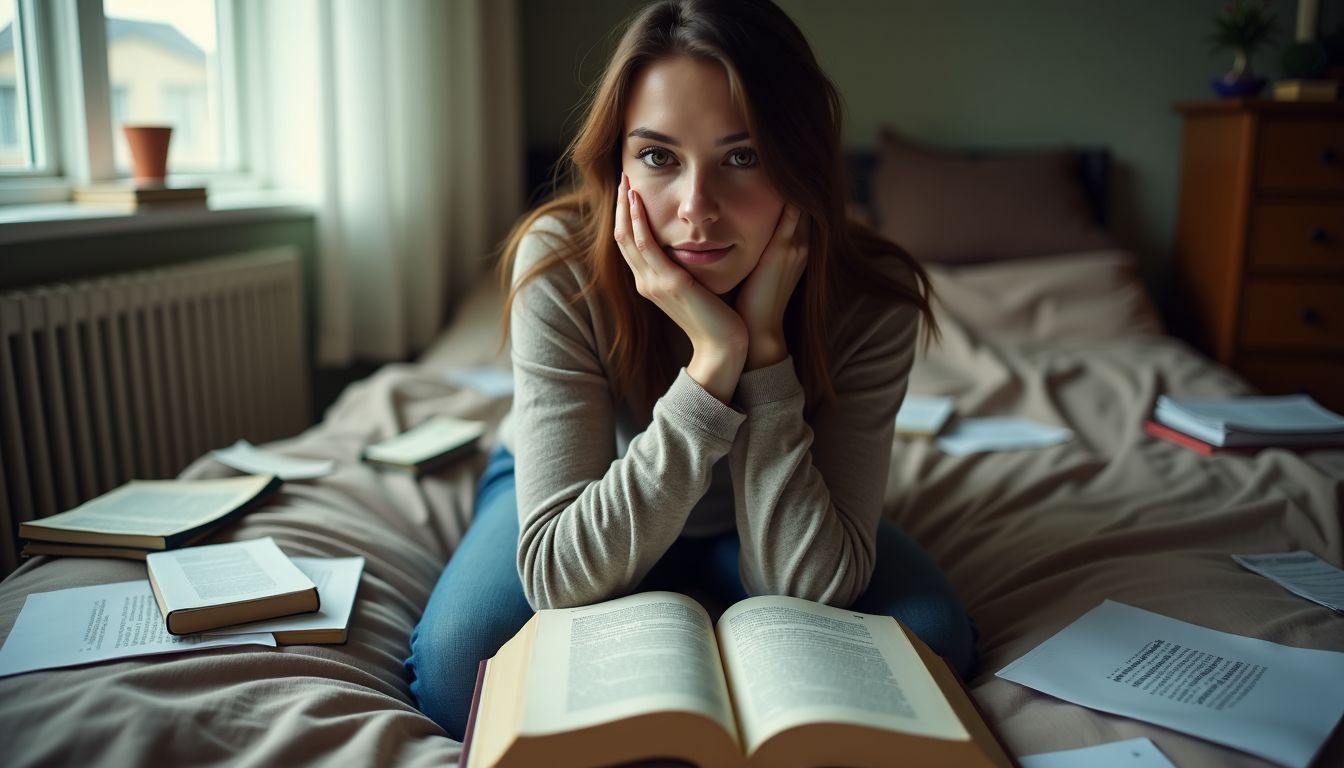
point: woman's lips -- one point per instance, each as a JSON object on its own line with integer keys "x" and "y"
{"x": 697, "y": 256}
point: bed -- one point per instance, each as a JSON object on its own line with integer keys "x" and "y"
{"x": 1031, "y": 539}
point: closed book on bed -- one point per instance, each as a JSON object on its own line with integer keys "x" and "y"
{"x": 784, "y": 683}
{"x": 203, "y": 588}
{"x": 430, "y": 444}
{"x": 153, "y": 514}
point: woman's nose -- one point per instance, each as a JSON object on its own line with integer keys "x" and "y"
{"x": 698, "y": 204}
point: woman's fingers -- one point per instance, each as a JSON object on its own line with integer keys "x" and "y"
{"x": 624, "y": 232}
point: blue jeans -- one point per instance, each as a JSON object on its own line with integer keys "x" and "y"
{"x": 478, "y": 603}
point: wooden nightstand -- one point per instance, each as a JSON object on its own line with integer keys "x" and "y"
{"x": 1260, "y": 242}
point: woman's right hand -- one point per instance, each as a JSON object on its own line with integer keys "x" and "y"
{"x": 717, "y": 332}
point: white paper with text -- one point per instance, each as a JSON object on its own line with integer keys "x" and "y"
{"x": 1270, "y": 700}
{"x": 1130, "y": 753}
{"x": 1301, "y": 573}
{"x": 108, "y": 621}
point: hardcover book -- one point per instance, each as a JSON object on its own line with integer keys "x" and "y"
{"x": 781, "y": 682}
{"x": 203, "y": 588}
{"x": 152, "y": 514}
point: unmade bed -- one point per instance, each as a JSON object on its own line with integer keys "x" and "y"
{"x": 1031, "y": 539}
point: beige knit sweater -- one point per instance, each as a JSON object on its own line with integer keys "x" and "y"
{"x": 602, "y": 494}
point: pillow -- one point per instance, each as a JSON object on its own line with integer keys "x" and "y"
{"x": 965, "y": 207}
{"x": 1084, "y": 297}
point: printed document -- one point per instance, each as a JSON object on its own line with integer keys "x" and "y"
{"x": 1271, "y": 700}
{"x": 1301, "y": 573}
{"x": 108, "y": 621}
{"x": 1000, "y": 433}
{"x": 923, "y": 415}
{"x": 246, "y": 457}
{"x": 1130, "y": 753}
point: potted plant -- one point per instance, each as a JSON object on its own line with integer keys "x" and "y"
{"x": 1242, "y": 27}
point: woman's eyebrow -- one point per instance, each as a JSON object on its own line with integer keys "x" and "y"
{"x": 652, "y": 135}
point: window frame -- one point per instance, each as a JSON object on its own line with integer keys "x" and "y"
{"x": 73, "y": 102}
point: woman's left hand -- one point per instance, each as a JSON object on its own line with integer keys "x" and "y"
{"x": 765, "y": 292}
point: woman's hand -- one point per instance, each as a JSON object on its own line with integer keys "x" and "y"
{"x": 718, "y": 334}
{"x": 766, "y": 291}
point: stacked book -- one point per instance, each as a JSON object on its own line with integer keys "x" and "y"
{"x": 1246, "y": 424}
{"x": 220, "y": 588}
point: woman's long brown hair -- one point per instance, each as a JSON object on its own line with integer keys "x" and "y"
{"x": 793, "y": 114}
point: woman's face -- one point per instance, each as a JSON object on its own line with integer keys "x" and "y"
{"x": 687, "y": 153}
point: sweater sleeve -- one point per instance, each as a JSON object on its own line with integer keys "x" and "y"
{"x": 809, "y": 496}
{"x": 591, "y": 524}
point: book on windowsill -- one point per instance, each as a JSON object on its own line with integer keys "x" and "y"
{"x": 135, "y": 193}
{"x": 153, "y": 514}
{"x": 203, "y": 588}
{"x": 429, "y": 445}
{"x": 1288, "y": 421}
{"x": 923, "y": 415}
{"x": 1306, "y": 90}
{"x": 782, "y": 682}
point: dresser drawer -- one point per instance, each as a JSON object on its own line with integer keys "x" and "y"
{"x": 1319, "y": 377}
{"x": 1302, "y": 315}
{"x": 1298, "y": 236}
{"x": 1301, "y": 156}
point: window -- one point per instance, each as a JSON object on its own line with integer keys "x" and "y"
{"x": 161, "y": 55}
{"x": 105, "y": 63}
{"x": 17, "y": 152}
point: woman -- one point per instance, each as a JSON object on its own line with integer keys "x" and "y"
{"x": 708, "y": 359}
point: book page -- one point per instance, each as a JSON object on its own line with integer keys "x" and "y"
{"x": 792, "y": 661}
{"x": 1271, "y": 700}
{"x": 216, "y": 574}
{"x": 106, "y": 621}
{"x": 159, "y": 507}
{"x": 649, "y": 652}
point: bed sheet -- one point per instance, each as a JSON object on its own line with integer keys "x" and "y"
{"x": 1031, "y": 539}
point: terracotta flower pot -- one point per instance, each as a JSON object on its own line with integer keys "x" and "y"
{"x": 149, "y": 150}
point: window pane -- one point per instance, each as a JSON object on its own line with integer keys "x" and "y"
{"x": 16, "y": 150}
{"x": 162, "y": 64}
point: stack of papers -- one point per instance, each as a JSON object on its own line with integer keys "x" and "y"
{"x": 1287, "y": 421}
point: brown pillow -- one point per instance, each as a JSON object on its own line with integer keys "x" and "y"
{"x": 962, "y": 207}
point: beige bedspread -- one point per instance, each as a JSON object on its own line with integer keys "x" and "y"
{"x": 1031, "y": 539}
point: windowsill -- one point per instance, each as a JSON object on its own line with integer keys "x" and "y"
{"x": 51, "y": 221}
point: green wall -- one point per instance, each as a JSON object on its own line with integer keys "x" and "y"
{"x": 982, "y": 73}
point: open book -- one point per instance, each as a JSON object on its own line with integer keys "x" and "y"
{"x": 781, "y": 682}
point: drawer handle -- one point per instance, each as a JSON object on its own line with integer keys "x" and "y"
{"x": 1310, "y": 316}
{"x": 1329, "y": 155}
{"x": 1319, "y": 236}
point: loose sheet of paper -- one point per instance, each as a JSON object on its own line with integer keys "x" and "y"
{"x": 246, "y": 457}
{"x": 1130, "y": 753}
{"x": 1271, "y": 700}
{"x": 923, "y": 414}
{"x": 1000, "y": 433}
{"x": 491, "y": 382}
{"x": 1301, "y": 573}
{"x": 337, "y": 580}
{"x": 107, "y": 621}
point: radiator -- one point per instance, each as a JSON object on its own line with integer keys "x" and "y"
{"x": 136, "y": 375}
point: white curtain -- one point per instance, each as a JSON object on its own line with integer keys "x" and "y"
{"x": 402, "y": 120}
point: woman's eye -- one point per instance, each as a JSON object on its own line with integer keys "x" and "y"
{"x": 742, "y": 158}
{"x": 656, "y": 158}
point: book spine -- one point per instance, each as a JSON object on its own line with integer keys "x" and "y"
{"x": 464, "y": 760}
